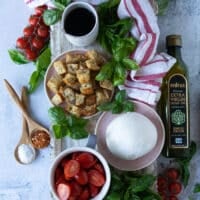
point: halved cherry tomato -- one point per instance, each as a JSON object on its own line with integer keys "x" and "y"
{"x": 63, "y": 191}
{"x": 22, "y": 43}
{"x": 40, "y": 9}
{"x": 93, "y": 190}
{"x": 59, "y": 180}
{"x": 175, "y": 187}
{"x": 71, "y": 168}
{"x": 28, "y": 31}
{"x": 86, "y": 160}
{"x": 172, "y": 173}
{"x": 34, "y": 19}
{"x": 76, "y": 189}
{"x": 81, "y": 177}
{"x": 96, "y": 178}
{"x": 85, "y": 195}
{"x": 98, "y": 166}
{"x": 58, "y": 172}
{"x": 173, "y": 197}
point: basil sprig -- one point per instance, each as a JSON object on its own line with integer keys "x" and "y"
{"x": 113, "y": 37}
{"x": 118, "y": 105}
{"x": 67, "y": 125}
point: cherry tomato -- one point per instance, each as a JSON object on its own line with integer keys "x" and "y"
{"x": 59, "y": 180}
{"x": 30, "y": 54}
{"x": 161, "y": 183}
{"x": 38, "y": 43}
{"x": 85, "y": 195}
{"x": 22, "y": 43}
{"x": 172, "y": 197}
{"x": 175, "y": 188}
{"x": 76, "y": 189}
{"x": 98, "y": 166}
{"x": 81, "y": 177}
{"x": 86, "y": 160}
{"x": 172, "y": 173}
{"x": 64, "y": 161}
{"x": 58, "y": 172}
{"x": 63, "y": 191}
{"x": 71, "y": 168}
{"x": 40, "y": 9}
{"x": 96, "y": 178}
{"x": 93, "y": 190}
{"x": 43, "y": 31}
{"x": 33, "y": 20}
{"x": 28, "y": 31}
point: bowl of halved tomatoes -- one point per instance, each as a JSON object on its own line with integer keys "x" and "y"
{"x": 79, "y": 173}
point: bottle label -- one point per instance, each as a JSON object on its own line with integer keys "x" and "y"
{"x": 178, "y": 111}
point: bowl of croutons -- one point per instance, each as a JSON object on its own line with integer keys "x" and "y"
{"x": 70, "y": 82}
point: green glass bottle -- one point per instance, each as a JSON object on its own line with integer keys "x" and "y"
{"x": 174, "y": 103}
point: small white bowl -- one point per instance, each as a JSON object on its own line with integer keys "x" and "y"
{"x": 69, "y": 151}
{"x": 88, "y": 38}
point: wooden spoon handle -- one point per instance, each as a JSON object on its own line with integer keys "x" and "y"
{"x": 16, "y": 99}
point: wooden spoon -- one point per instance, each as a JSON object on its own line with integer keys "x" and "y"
{"x": 25, "y": 139}
{"x": 33, "y": 126}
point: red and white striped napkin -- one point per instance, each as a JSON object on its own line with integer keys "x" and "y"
{"x": 143, "y": 84}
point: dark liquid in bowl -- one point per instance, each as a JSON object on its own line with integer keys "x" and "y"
{"x": 79, "y": 21}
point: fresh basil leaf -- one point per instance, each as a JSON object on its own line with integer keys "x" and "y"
{"x": 61, "y": 4}
{"x": 119, "y": 75}
{"x": 17, "y": 57}
{"x": 105, "y": 106}
{"x": 44, "y": 60}
{"x": 60, "y": 131}
{"x": 162, "y": 6}
{"x": 77, "y": 132}
{"x": 57, "y": 115}
{"x": 52, "y": 16}
{"x": 113, "y": 196}
{"x": 34, "y": 81}
{"x": 105, "y": 72}
{"x": 75, "y": 121}
{"x": 196, "y": 188}
{"x": 120, "y": 96}
{"x": 128, "y": 106}
{"x": 130, "y": 64}
{"x": 117, "y": 108}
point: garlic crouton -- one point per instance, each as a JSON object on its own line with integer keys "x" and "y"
{"x": 54, "y": 83}
{"x": 106, "y": 84}
{"x": 80, "y": 99}
{"x": 59, "y": 67}
{"x": 72, "y": 68}
{"x": 83, "y": 75}
{"x": 92, "y": 65}
{"x": 57, "y": 99}
{"x": 86, "y": 88}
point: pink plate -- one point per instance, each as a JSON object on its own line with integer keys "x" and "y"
{"x": 139, "y": 163}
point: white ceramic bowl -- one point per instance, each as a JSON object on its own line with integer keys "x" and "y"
{"x": 88, "y": 38}
{"x": 69, "y": 151}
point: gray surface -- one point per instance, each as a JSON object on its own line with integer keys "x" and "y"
{"x": 30, "y": 182}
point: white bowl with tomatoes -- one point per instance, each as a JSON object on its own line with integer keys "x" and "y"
{"x": 79, "y": 173}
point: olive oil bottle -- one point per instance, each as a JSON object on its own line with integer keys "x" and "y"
{"x": 174, "y": 103}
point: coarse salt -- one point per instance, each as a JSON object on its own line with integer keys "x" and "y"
{"x": 26, "y": 153}
{"x": 130, "y": 136}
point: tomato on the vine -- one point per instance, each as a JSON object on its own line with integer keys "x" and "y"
{"x": 33, "y": 20}
{"x": 175, "y": 188}
{"x": 40, "y": 9}
{"x": 172, "y": 173}
{"x": 28, "y": 31}
{"x": 30, "y": 54}
{"x": 43, "y": 31}
{"x": 22, "y": 43}
{"x": 172, "y": 197}
{"x": 38, "y": 43}
{"x": 161, "y": 183}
